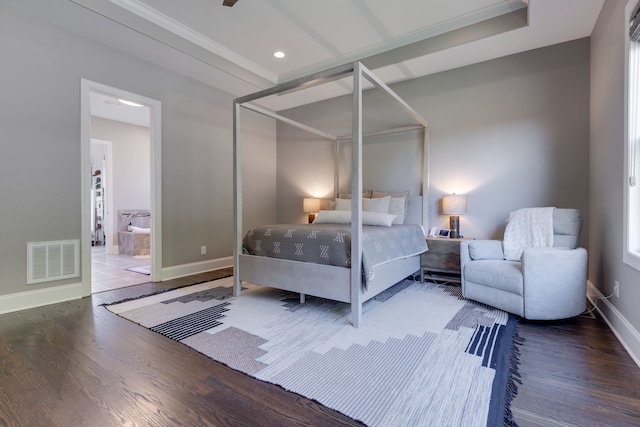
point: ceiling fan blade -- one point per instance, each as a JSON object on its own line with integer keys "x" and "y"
{"x": 229, "y": 2}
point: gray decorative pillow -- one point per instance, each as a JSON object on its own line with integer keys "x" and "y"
{"x": 377, "y": 194}
{"x": 365, "y": 194}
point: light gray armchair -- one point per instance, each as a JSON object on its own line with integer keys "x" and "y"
{"x": 548, "y": 283}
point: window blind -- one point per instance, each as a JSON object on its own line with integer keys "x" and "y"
{"x": 634, "y": 27}
{"x": 634, "y": 23}
{"x": 634, "y": 92}
{"x": 634, "y": 108}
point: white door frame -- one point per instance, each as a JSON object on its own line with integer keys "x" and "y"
{"x": 86, "y": 87}
{"x": 107, "y": 184}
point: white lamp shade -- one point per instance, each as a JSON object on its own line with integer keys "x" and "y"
{"x": 454, "y": 205}
{"x": 310, "y": 205}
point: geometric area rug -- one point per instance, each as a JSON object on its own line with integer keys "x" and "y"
{"x": 423, "y": 355}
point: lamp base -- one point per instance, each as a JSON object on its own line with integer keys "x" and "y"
{"x": 454, "y": 226}
{"x": 312, "y": 217}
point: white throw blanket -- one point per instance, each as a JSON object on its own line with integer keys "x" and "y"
{"x": 528, "y": 228}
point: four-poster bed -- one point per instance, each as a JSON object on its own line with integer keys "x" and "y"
{"x": 338, "y": 283}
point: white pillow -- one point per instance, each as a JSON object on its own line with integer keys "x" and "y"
{"x": 333, "y": 217}
{"x": 397, "y": 207}
{"x": 380, "y": 205}
{"x": 405, "y": 194}
{"x": 344, "y": 217}
{"x": 343, "y": 204}
{"x": 377, "y": 218}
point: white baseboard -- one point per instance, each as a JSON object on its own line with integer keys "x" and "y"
{"x": 55, "y": 294}
{"x": 177, "y": 271}
{"x": 619, "y": 325}
{"x": 37, "y": 298}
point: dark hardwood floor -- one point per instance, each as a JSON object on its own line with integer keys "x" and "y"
{"x": 76, "y": 364}
{"x": 575, "y": 373}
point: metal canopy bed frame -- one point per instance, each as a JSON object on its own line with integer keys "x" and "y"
{"x": 309, "y": 278}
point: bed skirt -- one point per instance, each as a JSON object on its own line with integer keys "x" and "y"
{"x": 324, "y": 281}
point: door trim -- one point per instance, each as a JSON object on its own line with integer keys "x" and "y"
{"x": 86, "y": 87}
{"x": 108, "y": 200}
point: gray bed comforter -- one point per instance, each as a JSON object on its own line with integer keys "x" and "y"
{"x": 330, "y": 244}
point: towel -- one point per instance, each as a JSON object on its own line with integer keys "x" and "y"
{"x": 528, "y": 228}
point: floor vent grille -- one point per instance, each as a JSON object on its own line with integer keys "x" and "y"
{"x": 48, "y": 261}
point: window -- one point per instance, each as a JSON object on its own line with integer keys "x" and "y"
{"x": 632, "y": 186}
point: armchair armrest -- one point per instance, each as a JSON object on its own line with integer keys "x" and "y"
{"x": 464, "y": 259}
{"x": 552, "y": 275}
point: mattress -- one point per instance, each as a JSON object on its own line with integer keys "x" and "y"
{"x": 330, "y": 244}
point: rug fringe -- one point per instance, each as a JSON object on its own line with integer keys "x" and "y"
{"x": 514, "y": 376}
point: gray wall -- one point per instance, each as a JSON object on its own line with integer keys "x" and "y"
{"x": 306, "y": 164}
{"x": 42, "y": 66}
{"x": 607, "y": 166}
{"x": 509, "y": 133}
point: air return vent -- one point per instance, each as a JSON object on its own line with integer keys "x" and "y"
{"x": 47, "y": 261}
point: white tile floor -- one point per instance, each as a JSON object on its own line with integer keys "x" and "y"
{"x": 108, "y": 271}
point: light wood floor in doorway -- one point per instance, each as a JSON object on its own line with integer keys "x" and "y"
{"x": 108, "y": 272}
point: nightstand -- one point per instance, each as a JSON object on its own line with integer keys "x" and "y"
{"x": 442, "y": 261}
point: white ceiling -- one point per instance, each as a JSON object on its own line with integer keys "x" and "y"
{"x": 107, "y": 107}
{"x": 232, "y": 48}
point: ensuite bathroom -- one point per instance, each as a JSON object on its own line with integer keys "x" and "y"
{"x": 120, "y": 204}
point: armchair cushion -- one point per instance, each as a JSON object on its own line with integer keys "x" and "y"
{"x": 567, "y": 224}
{"x": 499, "y": 274}
{"x": 486, "y": 249}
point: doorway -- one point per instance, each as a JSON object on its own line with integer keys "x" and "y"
{"x": 113, "y": 265}
{"x": 128, "y": 196}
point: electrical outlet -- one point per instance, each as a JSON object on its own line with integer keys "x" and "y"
{"x": 203, "y": 250}
{"x": 616, "y": 289}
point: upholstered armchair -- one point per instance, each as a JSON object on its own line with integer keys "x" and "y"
{"x": 546, "y": 283}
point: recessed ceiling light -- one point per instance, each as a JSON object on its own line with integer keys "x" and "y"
{"x": 132, "y": 104}
{"x": 279, "y": 54}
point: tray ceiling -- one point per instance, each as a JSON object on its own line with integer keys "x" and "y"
{"x": 232, "y": 47}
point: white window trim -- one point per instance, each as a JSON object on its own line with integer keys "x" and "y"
{"x": 630, "y": 257}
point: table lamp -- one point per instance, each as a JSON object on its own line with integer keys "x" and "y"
{"x": 311, "y": 206}
{"x": 454, "y": 205}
